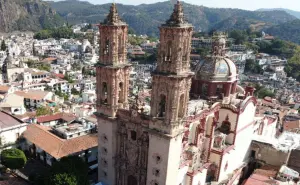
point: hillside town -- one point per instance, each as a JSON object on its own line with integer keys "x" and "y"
{"x": 149, "y": 111}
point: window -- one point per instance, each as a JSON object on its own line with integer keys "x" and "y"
{"x": 169, "y": 51}
{"x": 133, "y": 135}
{"x": 121, "y": 93}
{"x": 120, "y": 43}
{"x": 253, "y": 152}
{"x": 219, "y": 89}
{"x": 181, "y": 107}
{"x": 104, "y": 93}
{"x": 162, "y": 106}
{"x": 106, "y": 48}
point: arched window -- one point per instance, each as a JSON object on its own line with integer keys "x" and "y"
{"x": 169, "y": 51}
{"x": 104, "y": 93}
{"x": 185, "y": 50}
{"x": 121, "y": 93}
{"x": 162, "y": 106}
{"x": 219, "y": 90}
{"x": 181, "y": 107}
{"x": 120, "y": 43}
{"x": 131, "y": 180}
{"x": 106, "y": 48}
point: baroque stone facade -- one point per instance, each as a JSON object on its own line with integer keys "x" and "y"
{"x": 186, "y": 139}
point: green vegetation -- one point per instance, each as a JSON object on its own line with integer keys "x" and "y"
{"x": 68, "y": 168}
{"x": 44, "y": 68}
{"x": 13, "y": 158}
{"x": 3, "y": 46}
{"x": 75, "y": 92}
{"x": 68, "y": 78}
{"x": 239, "y": 36}
{"x": 277, "y": 47}
{"x": 262, "y": 92}
{"x": 62, "y": 95}
{"x": 42, "y": 111}
{"x": 145, "y": 19}
{"x": 87, "y": 27}
{"x": 289, "y": 31}
{"x": 253, "y": 67}
{"x": 57, "y": 33}
{"x": 28, "y": 15}
{"x": 293, "y": 66}
{"x": 63, "y": 179}
{"x": 135, "y": 40}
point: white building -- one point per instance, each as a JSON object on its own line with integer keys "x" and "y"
{"x": 11, "y": 128}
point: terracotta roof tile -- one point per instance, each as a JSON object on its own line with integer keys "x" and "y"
{"x": 289, "y": 125}
{"x": 33, "y": 95}
{"x": 58, "y": 147}
{"x": 60, "y": 76}
{"x": 63, "y": 116}
{"x": 256, "y": 179}
{"x": 7, "y": 120}
{"x": 4, "y": 88}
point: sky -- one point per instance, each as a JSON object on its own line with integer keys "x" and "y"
{"x": 242, "y": 4}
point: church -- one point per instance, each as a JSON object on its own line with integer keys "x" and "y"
{"x": 201, "y": 121}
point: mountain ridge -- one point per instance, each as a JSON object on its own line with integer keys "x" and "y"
{"x": 289, "y": 11}
{"x": 27, "y": 15}
{"x": 145, "y": 18}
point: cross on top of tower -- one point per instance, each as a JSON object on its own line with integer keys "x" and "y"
{"x": 113, "y": 17}
{"x": 177, "y": 18}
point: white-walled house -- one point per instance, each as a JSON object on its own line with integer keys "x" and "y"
{"x": 14, "y": 104}
{"x": 51, "y": 144}
{"x": 11, "y": 128}
{"x": 34, "y": 98}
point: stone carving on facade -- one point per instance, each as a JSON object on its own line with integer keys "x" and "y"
{"x": 132, "y": 158}
{"x": 219, "y": 140}
{"x": 177, "y": 16}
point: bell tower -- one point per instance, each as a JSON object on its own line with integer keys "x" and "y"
{"x": 171, "y": 83}
{"x": 112, "y": 90}
{"x": 112, "y": 68}
{"x": 172, "y": 78}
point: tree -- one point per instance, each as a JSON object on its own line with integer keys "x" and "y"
{"x": 63, "y": 179}
{"x": 42, "y": 111}
{"x": 253, "y": 67}
{"x": 293, "y": 66}
{"x": 3, "y": 46}
{"x": 71, "y": 166}
{"x": 74, "y": 91}
{"x": 239, "y": 36}
{"x": 68, "y": 78}
{"x": 13, "y": 158}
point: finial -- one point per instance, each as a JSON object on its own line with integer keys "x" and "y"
{"x": 177, "y": 16}
{"x": 113, "y": 16}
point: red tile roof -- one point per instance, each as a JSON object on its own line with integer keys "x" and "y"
{"x": 60, "y": 76}
{"x": 56, "y": 146}
{"x": 64, "y": 116}
{"x": 32, "y": 94}
{"x": 4, "y": 88}
{"x": 257, "y": 179}
{"x": 7, "y": 120}
{"x": 290, "y": 125}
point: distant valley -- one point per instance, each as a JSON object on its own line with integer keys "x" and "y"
{"x": 33, "y": 15}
